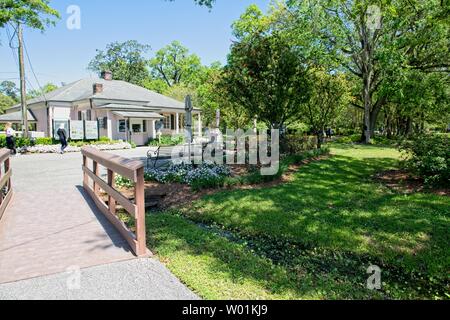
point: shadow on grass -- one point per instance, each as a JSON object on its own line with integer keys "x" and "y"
{"x": 331, "y": 209}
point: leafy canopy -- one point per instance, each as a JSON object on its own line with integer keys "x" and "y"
{"x": 35, "y": 14}
{"x": 124, "y": 59}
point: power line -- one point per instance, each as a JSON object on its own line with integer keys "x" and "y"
{"x": 32, "y": 70}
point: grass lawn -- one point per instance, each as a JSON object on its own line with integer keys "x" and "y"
{"x": 312, "y": 238}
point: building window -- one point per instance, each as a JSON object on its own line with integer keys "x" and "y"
{"x": 136, "y": 127}
{"x": 144, "y": 126}
{"x": 122, "y": 126}
{"x": 80, "y": 115}
{"x": 88, "y": 115}
{"x": 167, "y": 121}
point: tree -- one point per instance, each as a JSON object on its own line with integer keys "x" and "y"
{"x": 5, "y": 102}
{"x": 329, "y": 97}
{"x": 265, "y": 74}
{"x": 125, "y": 60}
{"x": 374, "y": 41}
{"x": 49, "y": 87}
{"x": 174, "y": 65}
{"x": 35, "y": 14}
{"x": 9, "y": 88}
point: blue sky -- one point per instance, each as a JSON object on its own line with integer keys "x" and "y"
{"x": 62, "y": 55}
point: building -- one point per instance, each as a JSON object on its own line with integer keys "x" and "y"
{"x": 122, "y": 111}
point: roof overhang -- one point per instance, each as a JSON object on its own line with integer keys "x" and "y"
{"x": 138, "y": 115}
{"x": 16, "y": 117}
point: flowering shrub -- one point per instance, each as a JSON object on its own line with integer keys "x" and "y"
{"x": 207, "y": 175}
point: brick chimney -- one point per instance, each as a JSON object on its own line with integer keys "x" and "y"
{"x": 107, "y": 75}
{"x": 98, "y": 88}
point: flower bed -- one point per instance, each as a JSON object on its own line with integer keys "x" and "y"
{"x": 207, "y": 175}
{"x": 57, "y": 148}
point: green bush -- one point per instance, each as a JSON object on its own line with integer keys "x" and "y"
{"x": 167, "y": 140}
{"x": 44, "y": 141}
{"x": 428, "y": 156}
{"x": 355, "y": 138}
{"x": 297, "y": 143}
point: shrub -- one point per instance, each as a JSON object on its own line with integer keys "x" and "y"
{"x": 354, "y": 138}
{"x": 297, "y": 143}
{"x": 428, "y": 156}
{"x": 44, "y": 141}
{"x": 167, "y": 140}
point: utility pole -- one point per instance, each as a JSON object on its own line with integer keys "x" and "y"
{"x": 23, "y": 91}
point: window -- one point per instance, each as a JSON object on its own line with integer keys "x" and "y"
{"x": 136, "y": 127}
{"x": 80, "y": 115}
{"x": 89, "y": 115}
{"x": 122, "y": 126}
{"x": 167, "y": 121}
{"x": 144, "y": 126}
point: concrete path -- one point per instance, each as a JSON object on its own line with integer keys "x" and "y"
{"x": 51, "y": 225}
{"x": 136, "y": 279}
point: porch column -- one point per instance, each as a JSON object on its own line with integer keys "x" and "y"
{"x": 154, "y": 129}
{"x": 199, "y": 125}
{"x": 177, "y": 123}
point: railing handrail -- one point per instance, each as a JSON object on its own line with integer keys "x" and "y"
{"x": 120, "y": 165}
{"x": 5, "y": 181}
{"x": 127, "y": 168}
{"x": 4, "y": 154}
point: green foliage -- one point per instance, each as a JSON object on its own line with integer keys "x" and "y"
{"x": 5, "y": 103}
{"x": 330, "y": 95}
{"x": 324, "y": 228}
{"x": 167, "y": 140}
{"x": 49, "y": 87}
{"x": 44, "y": 141}
{"x": 429, "y": 157}
{"x": 265, "y": 74}
{"x": 125, "y": 60}
{"x": 354, "y": 138}
{"x": 34, "y": 14}
{"x": 122, "y": 182}
{"x": 9, "y": 89}
{"x": 174, "y": 64}
{"x": 297, "y": 143}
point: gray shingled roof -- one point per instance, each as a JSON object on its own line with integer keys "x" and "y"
{"x": 112, "y": 90}
{"x": 16, "y": 117}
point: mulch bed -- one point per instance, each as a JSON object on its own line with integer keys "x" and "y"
{"x": 176, "y": 195}
{"x": 403, "y": 181}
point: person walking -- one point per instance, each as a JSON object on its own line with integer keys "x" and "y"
{"x": 62, "y": 134}
{"x": 11, "y": 138}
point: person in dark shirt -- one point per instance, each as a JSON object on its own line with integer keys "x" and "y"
{"x": 62, "y": 134}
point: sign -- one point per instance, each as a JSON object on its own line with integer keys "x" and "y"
{"x": 91, "y": 130}
{"x": 57, "y": 124}
{"x": 76, "y": 130}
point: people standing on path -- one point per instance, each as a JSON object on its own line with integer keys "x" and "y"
{"x": 62, "y": 134}
{"x": 11, "y": 138}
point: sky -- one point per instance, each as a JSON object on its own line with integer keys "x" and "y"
{"x": 60, "y": 55}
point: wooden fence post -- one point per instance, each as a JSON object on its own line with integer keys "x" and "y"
{"x": 96, "y": 171}
{"x": 140, "y": 216}
{"x": 111, "y": 200}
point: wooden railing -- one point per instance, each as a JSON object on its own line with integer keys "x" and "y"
{"x": 130, "y": 169}
{"x": 6, "y": 190}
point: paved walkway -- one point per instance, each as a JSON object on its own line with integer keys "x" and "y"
{"x": 51, "y": 225}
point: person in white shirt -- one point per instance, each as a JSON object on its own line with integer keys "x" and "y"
{"x": 10, "y": 138}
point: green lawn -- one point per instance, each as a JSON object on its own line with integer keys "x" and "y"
{"x": 314, "y": 237}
